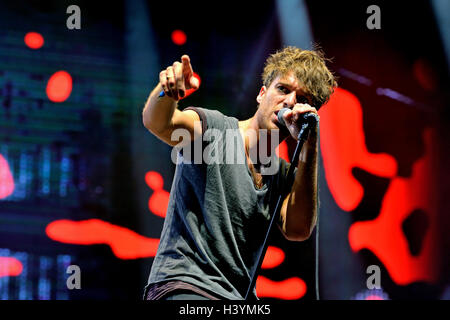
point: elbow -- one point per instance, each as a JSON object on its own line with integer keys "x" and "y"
{"x": 298, "y": 234}
{"x": 145, "y": 123}
{"x": 145, "y": 120}
{"x": 150, "y": 126}
{"x": 297, "y": 225}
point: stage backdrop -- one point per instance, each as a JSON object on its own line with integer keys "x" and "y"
{"x": 84, "y": 186}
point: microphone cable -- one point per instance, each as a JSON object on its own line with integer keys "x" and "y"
{"x": 318, "y": 216}
{"x": 317, "y": 255}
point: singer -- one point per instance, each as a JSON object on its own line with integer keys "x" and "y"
{"x": 218, "y": 213}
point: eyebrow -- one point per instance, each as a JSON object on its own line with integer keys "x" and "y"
{"x": 285, "y": 84}
{"x": 289, "y": 86}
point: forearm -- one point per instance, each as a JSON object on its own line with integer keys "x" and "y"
{"x": 301, "y": 204}
{"x": 158, "y": 111}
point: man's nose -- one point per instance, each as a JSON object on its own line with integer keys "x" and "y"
{"x": 290, "y": 100}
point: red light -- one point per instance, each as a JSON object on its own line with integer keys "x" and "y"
{"x": 179, "y": 37}
{"x": 273, "y": 258}
{"x": 34, "y": 40}
{"x": 425, "y": 75}
{"x": 384, "y": 235}
{"x": 282, "y": 151}
{"x": 125, "y": 243}
{"x": 289, "y": 289}
{"x": 158, "y": 202}
{"x": 154, "y": 180}
{"x": 344, "y": 147}
{"x": 6, "y": 179}
{"x": 59, "y": 86}
{"x": 10, "y": 267}
{"x": 374, "y": 297}
{"x": 192, "y": 90}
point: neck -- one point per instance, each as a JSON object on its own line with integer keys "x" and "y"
{"x": 251, "y": 136}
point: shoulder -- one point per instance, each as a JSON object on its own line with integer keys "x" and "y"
{"x": 213, "y": 119}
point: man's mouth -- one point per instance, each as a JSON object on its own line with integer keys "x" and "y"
{"x": 275, "y": 118}
{"x": 276, "y": 114}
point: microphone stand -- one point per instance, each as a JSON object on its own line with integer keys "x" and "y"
{"x": 310, "y": 119}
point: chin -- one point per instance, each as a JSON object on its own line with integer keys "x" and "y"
{"x": 271, "y": 125}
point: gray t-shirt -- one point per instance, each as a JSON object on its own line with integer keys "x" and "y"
{"x": 216, "y": 219}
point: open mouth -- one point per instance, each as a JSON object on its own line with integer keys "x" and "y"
{"x": 276, "y": 115}
{"x": 275, "y": 118}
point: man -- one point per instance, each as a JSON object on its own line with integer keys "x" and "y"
{"x": 218, "y": 213}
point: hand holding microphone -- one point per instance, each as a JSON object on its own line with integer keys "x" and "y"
{"x": 301, "y": 117}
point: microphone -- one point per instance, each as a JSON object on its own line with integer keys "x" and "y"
{"x": 308, "y": 118}
{"x": 305, "y": 123}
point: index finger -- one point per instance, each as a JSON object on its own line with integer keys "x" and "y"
{"x": 187, "y": 68}
{"x": 304, "y": 107}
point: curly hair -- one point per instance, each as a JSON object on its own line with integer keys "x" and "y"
{"x": 317, "y": 81}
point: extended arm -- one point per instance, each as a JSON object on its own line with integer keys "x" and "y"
{"x": 160, "y": 115}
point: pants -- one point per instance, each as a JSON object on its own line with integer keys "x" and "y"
{"x": 183, "y": 295}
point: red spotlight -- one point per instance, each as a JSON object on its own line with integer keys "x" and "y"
{"x": 34, "y": 40}
{"x": 6, "y": 179}
{"x": 179, "y": 37}
{"x": 425, "y": 75}
{"x": 10, "y": 267}
{"x": 59, "y": 86}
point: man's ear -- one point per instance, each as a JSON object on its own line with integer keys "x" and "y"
{"x": 261, "y": 93}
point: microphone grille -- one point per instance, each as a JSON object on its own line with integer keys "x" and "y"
{"x": 280, "y": 116}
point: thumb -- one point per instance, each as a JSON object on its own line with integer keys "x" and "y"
{"x": 288, "y": 116}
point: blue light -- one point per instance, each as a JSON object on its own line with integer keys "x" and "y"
{"x": 46, "y": 166}
{"x": 64, "y": 178}
{"x": 25, "y": 292}
{"x": 44, "y": 284}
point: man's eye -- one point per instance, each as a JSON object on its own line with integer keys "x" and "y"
{"x": 283, "y": 89}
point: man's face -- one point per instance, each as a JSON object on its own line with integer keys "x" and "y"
{"x": 283, "y": 92}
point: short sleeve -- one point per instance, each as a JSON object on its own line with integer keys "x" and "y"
{"x": 211, "y": 119}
